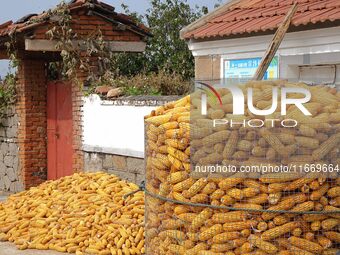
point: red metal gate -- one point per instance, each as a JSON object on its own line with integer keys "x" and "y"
{"x": 59, "y": 129}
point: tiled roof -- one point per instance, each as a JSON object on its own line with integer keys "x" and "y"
{"x": 33, "y": 20}
{"x": 253, "y": 16}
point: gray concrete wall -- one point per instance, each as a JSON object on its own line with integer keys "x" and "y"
{"x": 10, "y": 178}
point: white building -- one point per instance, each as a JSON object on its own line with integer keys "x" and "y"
{"x": 230, "y": 41}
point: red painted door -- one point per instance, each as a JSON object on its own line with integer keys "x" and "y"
{"x": 59, "y": 130}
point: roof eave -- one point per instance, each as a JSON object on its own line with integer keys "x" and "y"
{"x": 201, "y": 21}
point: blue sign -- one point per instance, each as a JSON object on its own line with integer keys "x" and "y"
{"x": 246, "y": 68}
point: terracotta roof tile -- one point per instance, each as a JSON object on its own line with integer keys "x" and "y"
{"x": 249, "y": 16}
{"x": 33, "y": 20}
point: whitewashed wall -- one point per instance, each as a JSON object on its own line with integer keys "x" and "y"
{"x": 114, "y": 129}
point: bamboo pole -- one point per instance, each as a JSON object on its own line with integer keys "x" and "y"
{"x": 275, "y": 44}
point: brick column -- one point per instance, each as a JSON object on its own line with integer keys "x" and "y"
{"x": 31, "y": 108}
{"x": 77, "y": 112}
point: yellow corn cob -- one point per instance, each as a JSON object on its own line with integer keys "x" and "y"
{"x": 158, "y": 120}
{"x": 326, "y": 147}
{"x": 250, "y": 192}
{"x": 210, "y": 159}
{"x": 195, "y": 188}
{"x": 263, "y": 245}
{"x": 305, "y": 130}
{"x": 303, "y": 207}
{"x": 283, "y": 205}
{"x": 163, "y": 159}
{"x": 225, "y": 237}
{"x": 275, "y": 142}
{"x": 259, "y": 199}
{"x": 196, "y": 249}
{"x": 217, "y": 137}
{"x": 211, "y": 232}
{"x": 330, "y": 223}
{"x": 279, "y": 177}
{"x": 209, "y": 188}
{"x": 262, "y": 226}
{"x": 335, "y": 202}
{"x": 168, "y": 125}
{"x": 332, "y": 235}
{"x": 296, "y": 198}
{"x": 274, "y": 198}
{"x": 334, "y": 192}
{"x": 317, "y": 194}
{"x": 271, "y": 154}
{"x": 297, "y": 232}
{"x": 221, "y": 248}
{"x": 251, "y": 183}
{"x": 217, "y": 194}
{"x": 176, "y": 249}
{"x": 238, "y": 226}
{"x": 245, "y": 145}
{"x": 305, "y": 244}
{"x": 229, "y": 182}
{"x": 200, "y": 198}
{"x": 307, "y": 142}
{"x": 164, "y": 189}
{"x": 279, "y": 231}
{"x": 240, "y": 155}
{"x": 280, "y": 220}
{"x": 286, "y": 139}
{"x": 235, "y": 193}
{"x": 185, "y": 118}
{"x": 296, "y": 250}
{"x": 332, "y": 208}
{"x": 248, "y": 206}
{"x": 209, "y": 253}
{"x": 180, "y": 144}
{"x": 200, "y": 219}
{"x": 175, "y": 162}
{"x": 176, "y": 234}
{"x": 178, "y": 154}
{"x": 179, "y": 197}
{"x": 183, "y": 185}
{"x": 229, "y": 217}
{"x": 315, "y": 226}
{"x": 227, "y": 200}
{"x": 172, "y": 224}
{"x": 245, "y": 248}
{"x": 258, "y": 151}
{"x": 308, "y": 178}
{"x": 179, "y": 209}
{"x": 187, "y": 217}
{"x": 324, "y": 242}
{"x": 174, "y": 134}
{"x": 177, "y": 177}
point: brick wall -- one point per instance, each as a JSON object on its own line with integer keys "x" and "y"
{"x": 32, "y": 100}
{"x": 31, "y": 109}
{"x": 10, "y": 176}
{"x": 207, "y": 67}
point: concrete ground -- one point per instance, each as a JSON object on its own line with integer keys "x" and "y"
{"x": 10, "y": 249}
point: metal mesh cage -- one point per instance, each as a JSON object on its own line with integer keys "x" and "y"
{"x": 287, "y": 198}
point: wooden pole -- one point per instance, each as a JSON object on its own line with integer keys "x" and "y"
{"x": 275, "y": 44}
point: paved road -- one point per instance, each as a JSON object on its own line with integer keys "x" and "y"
{"x": 10, "y": 249}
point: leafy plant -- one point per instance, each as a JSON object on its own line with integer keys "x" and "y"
{"x": 7, "y": 93}
{"x": 165, "y": 51}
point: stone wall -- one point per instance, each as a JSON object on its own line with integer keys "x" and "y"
{"x": 127, "y": 168}
{"x": 10, "y": 176}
